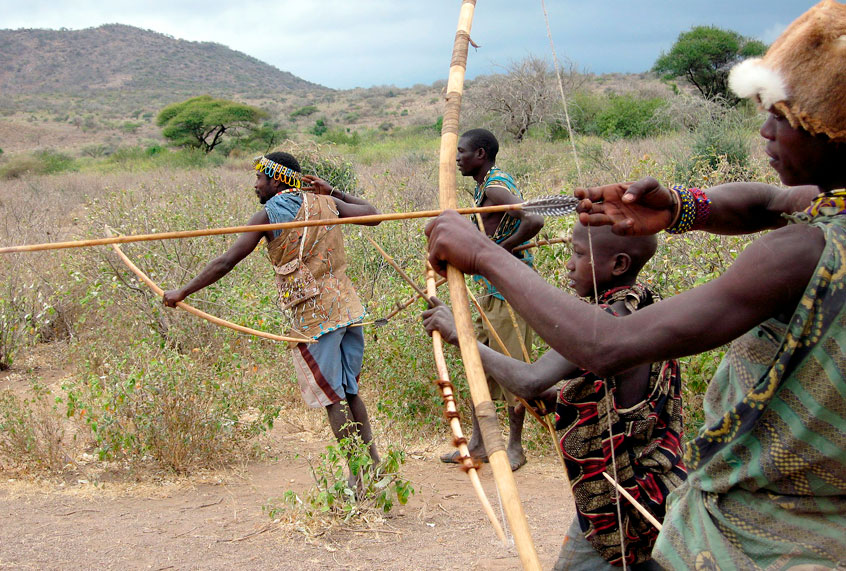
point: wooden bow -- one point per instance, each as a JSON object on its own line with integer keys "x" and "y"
{"x": 485, "y": 409}
{"x": 451, "y": 413}
{"x": 193, "y": 310}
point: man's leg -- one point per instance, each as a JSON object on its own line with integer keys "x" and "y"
{"x": 352, "y": 357}
{"x": 516, "y": 336}
{"x": 341, "y": 420}
{"x": 344, "y": 426}
{"x": 577, "y": 554}
{"x": 516, "y": 456}
{"x": 362, "y": 424}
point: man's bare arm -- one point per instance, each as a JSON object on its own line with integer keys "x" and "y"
{"x": 647, "y": 207}
{"x": 223, "y": 264}
{"x": 348, "y": 205}
{"x": 530, "y": 224}
{"x": 694, "y": 321}
{"x": 526, "y": 380}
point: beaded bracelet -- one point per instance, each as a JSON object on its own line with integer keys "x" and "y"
{"x": 694, "y": 207}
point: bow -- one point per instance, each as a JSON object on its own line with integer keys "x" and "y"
{"x": 451, "y": 413}
{"x": 485, "y": 410}
{"x": 199, "y": 313}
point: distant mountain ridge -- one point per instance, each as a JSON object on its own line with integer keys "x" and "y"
{"x": 121, "y": 57}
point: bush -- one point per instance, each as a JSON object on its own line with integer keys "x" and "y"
{"x": 258, "y": 140}
{"x": 23, "y": 312}
{"x": 332, "y": 500}
{"x": 719, "y": 152}
{"x": 39, "y": 162}
{"x": 341, "y": 137}
{"x": 177, "y": 410}
{"x": 313, "y": 159}
{"x": 303, "y": 112}
{"x": 31, "y": 434}
{"x": 130, "y": 127}
{"x": 19, "y": 166}
{"x": 612, "y": 117}
{"x": 627, "y": 116}
{"x": 319, "y": 128}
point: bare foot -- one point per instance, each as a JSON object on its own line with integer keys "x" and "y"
{"x": 516, "y": 458}
{"x": 452, "y": 457}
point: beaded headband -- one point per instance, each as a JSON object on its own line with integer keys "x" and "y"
{"x": 275, "y": 171}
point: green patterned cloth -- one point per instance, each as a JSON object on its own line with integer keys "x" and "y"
{"x": 508, "y": 225}
{"x": 766, "y": 487}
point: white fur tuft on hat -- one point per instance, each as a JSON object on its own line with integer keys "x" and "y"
{"x": 803, "y": 74}
{"x": 751, "y": 79}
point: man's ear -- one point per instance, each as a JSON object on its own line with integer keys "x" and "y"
{"x": 481, "y": 153}
{"x": 622, "y": 263}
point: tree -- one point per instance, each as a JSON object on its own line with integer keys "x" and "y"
{"x": 200, "y": 122}
{"x": 523, "y": 97}
{"x": 704, "y": 55}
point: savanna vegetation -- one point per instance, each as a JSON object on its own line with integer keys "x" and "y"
{"x": 146, "y": 390}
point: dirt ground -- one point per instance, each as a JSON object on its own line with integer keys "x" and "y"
{"x": 215, "y": 521}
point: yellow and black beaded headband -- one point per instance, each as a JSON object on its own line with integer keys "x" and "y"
{"x": 275, "y": 171}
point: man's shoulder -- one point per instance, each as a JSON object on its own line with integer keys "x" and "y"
{"x": 498, "y": 177}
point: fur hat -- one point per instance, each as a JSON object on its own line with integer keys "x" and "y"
{"x": 803, "y": 74}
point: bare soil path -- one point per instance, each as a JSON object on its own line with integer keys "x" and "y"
{"x": 215, "y": 521}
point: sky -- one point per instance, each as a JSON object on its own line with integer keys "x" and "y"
{"x": 344, "y": 44}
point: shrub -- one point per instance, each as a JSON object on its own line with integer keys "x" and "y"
{"x": 315, "y": 160}
{"x": 341, "y": 137}
{"x": 178, "y": 410}
{"x": 719, "y": 152}
{"x": 332, "y": 499}
{"x": 319, "y": 128}
{"x": 39, "y": 162}
{"x": 130, "y": 127}
{"x": 611, "y": 116}
{"x": 626, "y": 116}
{"x": 304, "y": 111}
{"x": 31, "y": 434}
{"x": 95, "y": 150}
{"x": 19, "y": 166}
{"x": 23, "y": 312}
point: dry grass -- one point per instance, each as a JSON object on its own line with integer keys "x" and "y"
{"x": 109, "y": 320}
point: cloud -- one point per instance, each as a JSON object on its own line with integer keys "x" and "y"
{"x": 344, "y": 44}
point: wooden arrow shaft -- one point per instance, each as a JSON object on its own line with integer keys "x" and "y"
{"x": 250, "y": 228}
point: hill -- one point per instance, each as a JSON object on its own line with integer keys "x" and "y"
{"x": 117, "y": 57}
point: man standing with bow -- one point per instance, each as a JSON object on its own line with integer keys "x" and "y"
{"x": 476, "y": 157}
{"x": 310, "y": 267}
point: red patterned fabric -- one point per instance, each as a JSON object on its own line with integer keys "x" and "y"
{"x": 647, "y": 449}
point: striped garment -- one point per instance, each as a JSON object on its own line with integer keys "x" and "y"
{"x": 767, "y": 487}
{"x": 647, "y": 449}
{"x": 508, "y": 225}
